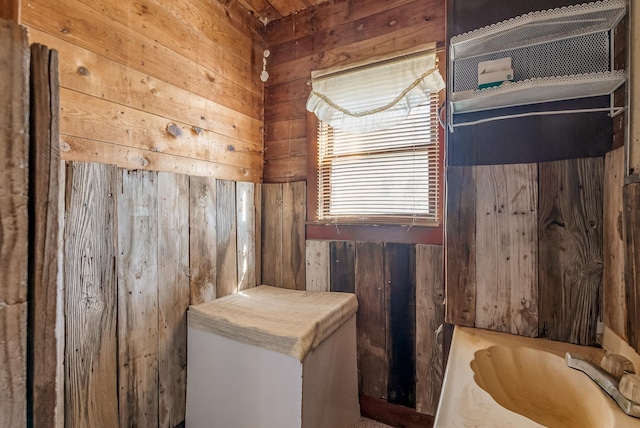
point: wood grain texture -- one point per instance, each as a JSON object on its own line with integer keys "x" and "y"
{"x": 91, "y": 303}
{"x": 246, "y": 235}
{"x": 506, "y": 248}
{"x": 342, "y": 266}
{"x": 10, "y": 10}
{"x": 331, "y": 33}
{"x": 294, "y": 204}
{"x": 372, "y": 319}
{"x": 14, "y": 158}
{"x": 202, "y": 239}
{"x": 570, "y": 249}
{"x": 44, "y": 253}
{"x": 614, "y": 309}
{"x": 631, "y": 200}
{"x": 429, "y": 327}
{"x": 258, "y": 234}
{"x": 173, "y": 297}
{"x": 226, "y": 235}
{"x": 317, "y": 271}
{"x": 137, "y": 265}
{"x": 272, "y": 230}
{"x": 400, "y": 282}
{"x": 460, "y": 241}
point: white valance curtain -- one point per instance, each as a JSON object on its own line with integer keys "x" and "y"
{"x": 376, "y": 95}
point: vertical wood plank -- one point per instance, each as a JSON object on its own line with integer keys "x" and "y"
{"x": 570, "y": 246}
{"x": 613, "y": 286}
{"x": 173, "y": 296}
{"x": 14, "y": 131}
{"x": 460, "y": 241}
{"x": 294, "y": 214}
{"x": 317, "y": 266}
{"x": 429, "y": 327}
{"x": 91, "y": 358}
{"x": 44, "y": 200}
{"x": 226, "y": 239}
{"x": 631, "y": 198}
{"x": 258, "y": 233}
{"x": 202, "y": 239}
{"x": 246, "y": 238}
{"x": 399, "y": 263}
{"x": 137, "y": 260}
{"x": 371, "y": 318}
{"x": 506, "y": 248}
{"x": 342, "y": 266}
{"x": 272, "y": 251}
{"x": 10, "y": 10}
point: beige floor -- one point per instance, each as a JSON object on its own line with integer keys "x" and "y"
{"x": 369, "y": 423}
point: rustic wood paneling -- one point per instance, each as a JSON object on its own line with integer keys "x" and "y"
{"x": 400, "y": 282}
{"x": 173, "y": 296}
{"x": 91, "y": 357}
{"x": 506, "y": 248}
{"x": 137, "y": 265}
{"x": 226, "y": 239}
{"x": 126, "y": 65}
{"x": 317, "y": 272}
{"x": 614, "y": 310}
{"x": 372, "y": 319}
{"x": 10, "y": 10}
{"x": 331, "y": 33}
{"x": 342, "y": 266}
{"x": 45, "y": 193}
{"x": 272, "y": 234}
{"x": 14, "y": 155}
{"x": 294, "y": 204}
{"x": 258, "y": 234}
{"x": 570, "y": 249}
{"x": 631, "y": 200}
{"x": 460, "y": 241}
{"x": 202, "y": 239}
{"x": 429, "y": 326}
{"x": 246, "y": 235}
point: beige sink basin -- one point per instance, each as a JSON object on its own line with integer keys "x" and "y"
{"x": 501, "y": 380}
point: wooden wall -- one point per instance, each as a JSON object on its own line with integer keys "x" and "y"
{"x": 332, "y": 33}
{"x": 524, "y": 248}
{"x": 400, "y": 294}
{"x": 140, "y": 246}
{"x": 14, "y": 229}
{"x": 157, "y": 85}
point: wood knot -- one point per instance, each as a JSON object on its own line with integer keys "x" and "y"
{"x": 84, "y": 71}
{"x": 231, "y": 148}
{"x": 174, "y": 130}
{"x": 197, "y": 130}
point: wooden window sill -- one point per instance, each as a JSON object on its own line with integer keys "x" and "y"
{"x": 376, "y": 233}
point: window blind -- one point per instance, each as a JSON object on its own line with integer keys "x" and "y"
{"x": 386, "y": 176}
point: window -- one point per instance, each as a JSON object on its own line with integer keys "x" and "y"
{"x": 389, "y": 176}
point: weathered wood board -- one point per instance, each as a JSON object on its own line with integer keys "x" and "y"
{"x": 246, "y": 235}
{"x": 460, "y": 241}
{"x": 570, "y": 249}
{"x": 173, "y": 296}
{"x": 429, "y": 326}
{"x": 45, "y": 196}
{"x": 317, "y": 271}
{"x": 342, "y": 266}
{"x": 631, "y": 200}
{"x": 137, "y": 266}
{"x": 91, "y": 303}
{"x": 293, "y": 234}
{"x": 506, "y": 248}
{"x": 202, "y": 239}
{"x": 226, "y": 239}
{"x": 614, "y": 308}
{"x": 372, "y": 319}
{"x": 272, "y": 231}
{"x": 14, "y": 158}
{"x": 400, "y": 283}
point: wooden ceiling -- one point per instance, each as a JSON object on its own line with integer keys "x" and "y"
{"x": 270, "y": 10}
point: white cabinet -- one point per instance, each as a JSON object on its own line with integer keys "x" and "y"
{"x": 557, "y": 54}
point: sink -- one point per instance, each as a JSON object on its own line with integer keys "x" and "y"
{"x": 540, "y": 386}
{"x": 500, "y": 380}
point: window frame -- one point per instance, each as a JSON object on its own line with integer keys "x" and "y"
{"x": 371, "y": 232}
